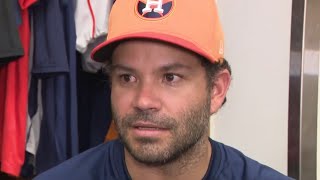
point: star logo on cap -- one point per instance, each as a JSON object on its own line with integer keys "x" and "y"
{"x": 153, "y": 9}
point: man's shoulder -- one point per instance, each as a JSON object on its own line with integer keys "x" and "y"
{"x": 236, "y": 165}
{"x": 96, "y": 163}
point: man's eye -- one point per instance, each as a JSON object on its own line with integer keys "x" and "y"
{"x": 171, "y": 78}
{"x": 127, "y": 78}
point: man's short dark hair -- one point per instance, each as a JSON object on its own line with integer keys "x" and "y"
{"x": 212, "y": 69}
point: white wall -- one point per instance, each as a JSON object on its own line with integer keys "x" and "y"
{"x": 255, "y": 118}
{"x": 318, "y": 128}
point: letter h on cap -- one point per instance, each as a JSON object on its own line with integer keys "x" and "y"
{"x": 157, "y": 3}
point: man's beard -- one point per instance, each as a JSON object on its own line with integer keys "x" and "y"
{"x": 185, "y": 132}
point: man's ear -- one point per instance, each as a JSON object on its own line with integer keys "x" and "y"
{"x": 219, "y": 90}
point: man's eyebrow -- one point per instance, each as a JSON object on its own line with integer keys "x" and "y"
{"x": 174, "y": 66}
{"x": 121, "y": 67}
{"x": 166, "y": 67}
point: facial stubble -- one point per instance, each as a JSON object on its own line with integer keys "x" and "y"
{"x": 186, "y": 131}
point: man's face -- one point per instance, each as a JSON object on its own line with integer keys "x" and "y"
{"x": 160, "y": 100}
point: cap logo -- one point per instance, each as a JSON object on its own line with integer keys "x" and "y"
{"x": 154, "y": 8}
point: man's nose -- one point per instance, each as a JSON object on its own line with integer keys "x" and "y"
{"x": 147, "y": 97}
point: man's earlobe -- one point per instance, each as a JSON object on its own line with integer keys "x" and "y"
{"x": 219, "y": 90}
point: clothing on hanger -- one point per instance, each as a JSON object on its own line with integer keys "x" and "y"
{"x": 13, "y": 101}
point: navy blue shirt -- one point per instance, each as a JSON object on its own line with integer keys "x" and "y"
{"x": 55, "y": 63}
{"x": 50, "y": 48}
{"x": 106, "y": 161}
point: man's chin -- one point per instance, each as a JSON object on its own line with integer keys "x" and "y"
{"x": 147, "y": 140}
{"x": 149, "y": 159}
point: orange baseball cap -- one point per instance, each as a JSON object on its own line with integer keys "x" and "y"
{"x": 193, "y": 25}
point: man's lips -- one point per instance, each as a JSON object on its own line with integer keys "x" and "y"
{"x": 146, "y": 129}
{"x": 147, "y": 125}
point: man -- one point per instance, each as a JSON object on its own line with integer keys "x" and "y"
{"x": 168, "y": 75}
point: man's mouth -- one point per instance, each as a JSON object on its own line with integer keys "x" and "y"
{"x": 146, "y": 129}
{"x": 147, "y": 125}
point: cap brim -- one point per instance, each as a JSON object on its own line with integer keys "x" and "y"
{"x": 104, "y": 51}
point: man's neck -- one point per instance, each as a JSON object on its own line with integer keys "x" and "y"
{"x": 191, "y": 165}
